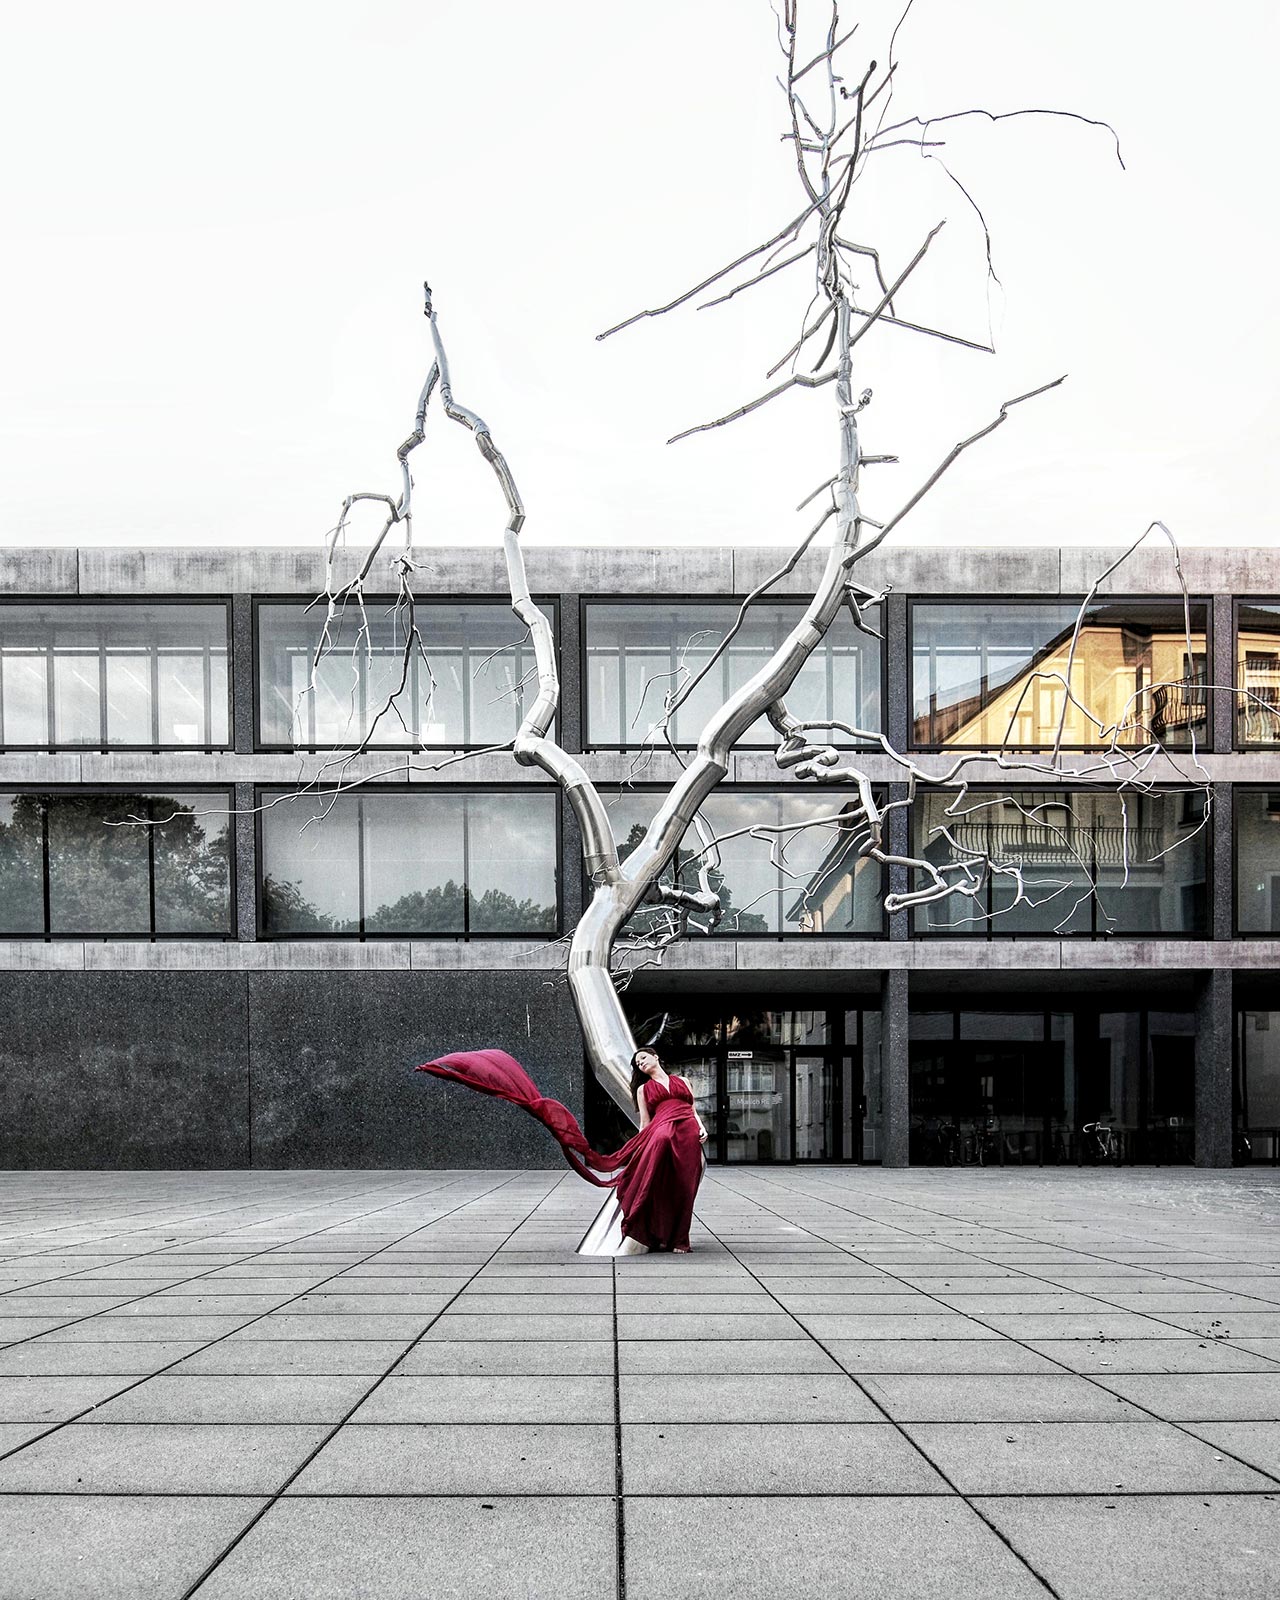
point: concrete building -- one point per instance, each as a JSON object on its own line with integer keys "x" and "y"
{"x": 249, "y": 979}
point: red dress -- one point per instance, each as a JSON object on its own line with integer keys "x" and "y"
{"x": 657, "y": 1187}
{"x": 655, "y": 1174}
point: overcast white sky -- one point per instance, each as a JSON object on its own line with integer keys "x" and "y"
{"x": 218, "y": 219}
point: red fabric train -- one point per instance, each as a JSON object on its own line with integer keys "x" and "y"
{"x": 655, "y": 1174}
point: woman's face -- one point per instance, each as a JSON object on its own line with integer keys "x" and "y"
{"x": 648, "y": 1062}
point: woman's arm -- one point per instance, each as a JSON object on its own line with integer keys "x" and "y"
{"x": 644, "y": 1105}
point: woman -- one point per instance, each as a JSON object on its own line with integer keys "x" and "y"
{"x": 654, "y": 1176}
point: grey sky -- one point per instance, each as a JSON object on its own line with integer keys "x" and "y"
{"x": 218, "y": 220}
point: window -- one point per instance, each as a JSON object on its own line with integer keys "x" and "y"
{"x": 1066, "y": 862}
{"x": 994, "y": 674}
{"x": 467, "y": 687}
{"x": 101, "y": 675}
{"x": 636, "y": 654}
{"x": 774, "y": 874}
{"x": 1258, "y": 861}
{"x": 1258, "y": 673}
{"x": 429, "y": 862}
{"x": 93, "y": 865}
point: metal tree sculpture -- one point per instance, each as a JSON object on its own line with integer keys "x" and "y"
{"x": 832, "y": 148}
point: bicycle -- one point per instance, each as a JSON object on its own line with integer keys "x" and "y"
{"x": 1100, "y": 1143}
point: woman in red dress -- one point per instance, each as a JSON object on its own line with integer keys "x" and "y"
{"x": 657, "y": 1186}
{"x": 655, "y": 1175}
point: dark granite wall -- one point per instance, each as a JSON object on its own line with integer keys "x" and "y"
{"x": 303, "y": 1069}
{"x": 123, "y": 1069}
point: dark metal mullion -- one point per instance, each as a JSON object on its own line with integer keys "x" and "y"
{"x": 791, "y": 1062}
{"x": 151, "y": 865}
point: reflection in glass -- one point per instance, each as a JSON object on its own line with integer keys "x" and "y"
{"x": 88, "y": 674}
{"x": 1091, "y": 862}
{"x": 637, "y": 654}
{"x": 1258, "y": 674}
{"x": 115, "y": 864}
{"x": 465, "y": 687}
{"x": 1258, "y": 861}
{"x": 413, "y": 864}
{"x": 758, "y": 1082}
{"x": 699, "y": 1072}
{"x": 1258, "y": 1081}
{"x": 770, "y": 881}
{"x": 995, "y": 673}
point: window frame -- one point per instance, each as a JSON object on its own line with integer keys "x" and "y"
{"x": 548, "y": 603}
{"x": 148, "y": 791}
{"x": 591, "y": 746}
{"x": 154, "y": 747}
{"x": 363, "y": 791}
{"x": 1238, "y": 789}
{"x": 1204, "y": 742}
{"x": 991, "y": 922}
{"x": 1242, "y": 746}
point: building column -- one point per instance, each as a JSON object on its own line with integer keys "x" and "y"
{"x": 1221, "y": 859}
{"x": 895, "y": 1088}
{"x": 1215, "y": 1023}
{"x": 1222, "y": 673}
{"x": 242, "y": 674}
{"x": 245, "y": 837}
{"x": 569, "y": 720}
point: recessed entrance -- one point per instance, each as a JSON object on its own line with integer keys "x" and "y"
{"x": 772, "y": 1085}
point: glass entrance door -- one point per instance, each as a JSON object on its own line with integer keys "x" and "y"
{"x": 828, "y": 1102}
{"x": 758, "y": 1105}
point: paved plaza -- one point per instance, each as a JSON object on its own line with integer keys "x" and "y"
{"x": 405, "y": 1385}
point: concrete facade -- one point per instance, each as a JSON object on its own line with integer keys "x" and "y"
{"x": 297, "y": 1053}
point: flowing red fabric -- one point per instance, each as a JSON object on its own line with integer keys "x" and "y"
{"x": 655, "y": 1174}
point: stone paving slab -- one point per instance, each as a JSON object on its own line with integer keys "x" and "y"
{"x": 396, "y": 1548}
{"x": 402, "y": 1384}
{"x": 1078, "y": 1458}
{"x": 1162, "y": 1547}
{"x": 113, "y": 1547}
{"x": 799, "y": 1548}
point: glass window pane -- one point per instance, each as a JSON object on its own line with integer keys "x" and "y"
{"x": 1260, "y": 1066}
{"x": 77, "y": 717}
{"x": 995, "y": 673}
{"x": 25, "y": 704}
{"x": 192, "y": 847}
{"x": 1258, "y": 674}
{"x": 637, "y": 654}
{"x": 99, "y": 871}
{"x": 1065, "y": 862}
{"x": 182, "y": 698}
{"x": 129, "y": 700}
{"x": 21, "y": 864}
{"x": 511, "y": 863}
{"x": 459, "y": 683}
{"x": 184, "y": 647}
{"x": 808, "y": 878}
{"x": 414, "y": 864}
{"x": 1258, "y": 861}
{"x": 311, "y": 865}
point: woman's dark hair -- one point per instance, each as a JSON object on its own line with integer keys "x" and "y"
{"x": 638, "y": 1078}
